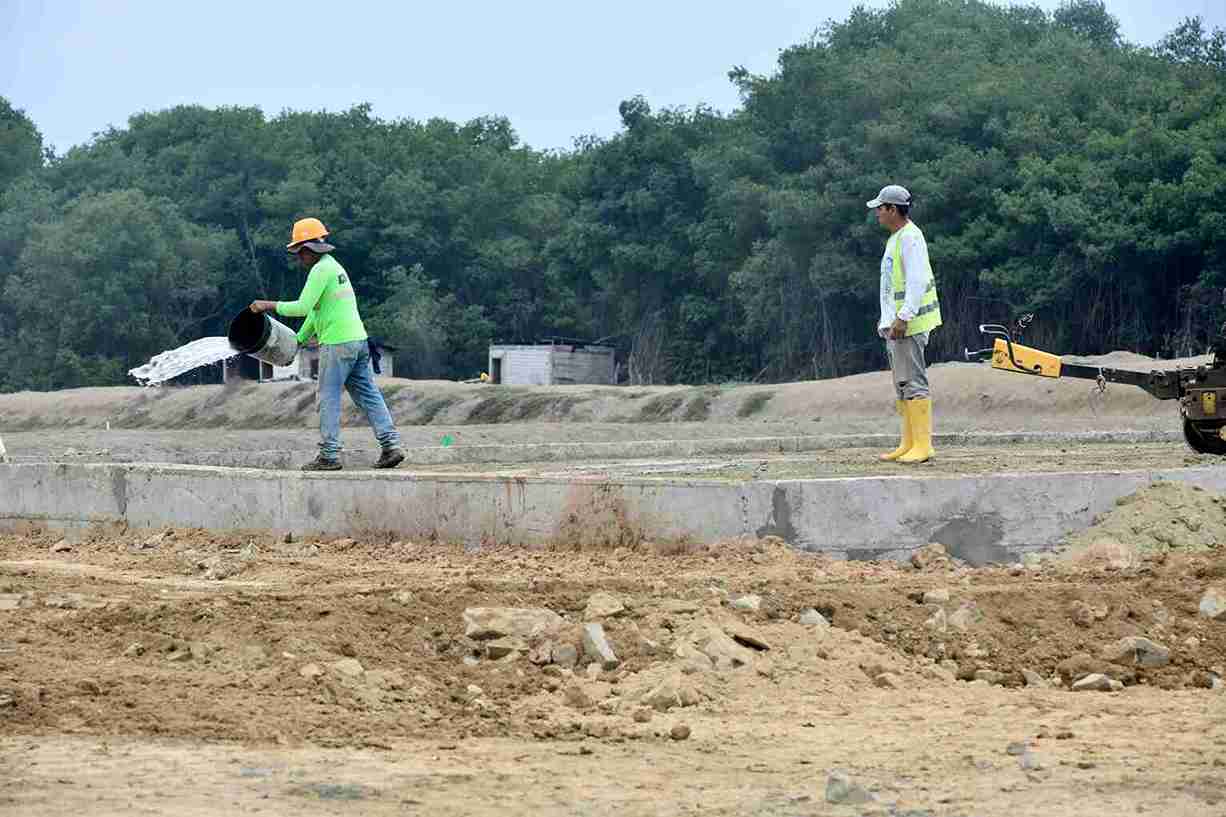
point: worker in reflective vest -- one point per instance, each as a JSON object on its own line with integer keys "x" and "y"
{"x": 909, "y": 312}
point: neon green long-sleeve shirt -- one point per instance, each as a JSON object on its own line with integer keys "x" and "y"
{"x": 329, "y": 305}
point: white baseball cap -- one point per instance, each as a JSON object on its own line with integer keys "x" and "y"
{"x": 891, "y": 194}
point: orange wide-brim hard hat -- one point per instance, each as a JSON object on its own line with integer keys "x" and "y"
{"x": 306, "y": 229}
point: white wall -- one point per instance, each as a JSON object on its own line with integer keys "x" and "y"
{"x": 522, "y": 365}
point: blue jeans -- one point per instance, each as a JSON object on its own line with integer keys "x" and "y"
{"x": 348, "y": 365}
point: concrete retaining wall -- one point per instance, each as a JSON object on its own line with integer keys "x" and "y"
{"x": 980, "y": 518}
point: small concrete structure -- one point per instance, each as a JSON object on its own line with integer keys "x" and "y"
{"x": 979, "y": 518}
{"x": 552, "y": 364}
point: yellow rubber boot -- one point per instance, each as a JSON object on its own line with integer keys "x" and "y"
{"x": 901, "y": 407}
{"x": 921, "y": 431}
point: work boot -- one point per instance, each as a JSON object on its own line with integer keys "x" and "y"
{"x": 322, "y": 463}
{"x": 921, "y": 431}
{"x": 901, "y": 407}
{"x": 390, "y": 458}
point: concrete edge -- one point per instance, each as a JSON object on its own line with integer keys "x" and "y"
{"x": 980, "y": 518}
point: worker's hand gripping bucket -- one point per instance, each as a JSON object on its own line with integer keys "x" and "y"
{"x": 256, "y": 334}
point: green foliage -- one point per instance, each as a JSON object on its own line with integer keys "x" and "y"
{"x": 21, "y": 145}
{"x": 1056, "y": 169}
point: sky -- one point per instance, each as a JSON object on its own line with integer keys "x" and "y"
{"x": 556, "y": 69}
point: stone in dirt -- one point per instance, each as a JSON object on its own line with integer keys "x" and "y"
{"x": 349, "y": 667}
{"x": 670, "y": 693}
{"x": 1097, "y": 683}
{"x": 1033, "y": 679}
{"x": 311, "y": 671}
{"x": 488, "y": 623}
{"x": 936, "y": 596}
{"x": 134, "y": 649}
{"x": 812, "y": 618}
{"x": 710, "y": 640}
{"x": 11, "y": 601}
{"x": 502, "y": 647}
{"x": 679, "y": 732}
{"x": 597, "y": 648}
{"x": 1137, "y": 651}
{"x": 1213, "y": 603}
{"x": 603, "y": 605}
{"x": 62, "y": 546}
{"x": 745, "y": 635}
{"x": 565, "y": 655}
{"x": 642, "y": 714}
{"x": 748, "y": 602}
{"x": 840, "y": 788}
{"x": 681, "y": 606}
{"x": 1081, "y": 665}
{"x": 991, "y": 676}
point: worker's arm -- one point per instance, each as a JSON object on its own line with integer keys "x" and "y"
{"x": 914, "y": 262}
{"x": 308, "y": 328}
{"x": 311, "y": 292}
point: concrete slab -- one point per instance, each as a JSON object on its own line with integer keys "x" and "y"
{"x": 980, "y": 518}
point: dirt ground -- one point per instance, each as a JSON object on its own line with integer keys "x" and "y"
{"x": 187, "y": 673}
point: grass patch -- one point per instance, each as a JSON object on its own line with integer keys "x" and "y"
{"x": 698, "y": 409}
{"x": 754, "y": 403}
{"x": 430, "y": 409}
{"x": 660, "y": 408}
{"x": 515, "y": 406}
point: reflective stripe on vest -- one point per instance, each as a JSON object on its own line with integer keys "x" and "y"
{"x": 928, "y": 316}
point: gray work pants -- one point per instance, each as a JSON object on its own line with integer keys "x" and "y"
{"x": 908, "y": 367}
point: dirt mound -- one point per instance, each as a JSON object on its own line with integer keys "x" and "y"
{"x": 1163, "y": 517}
{"x": 345, "y": 642}
{"x": 971, "y": 397}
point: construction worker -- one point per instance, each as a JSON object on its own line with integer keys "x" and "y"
{"x": 909, "y": 311}
{"x": 331, "y": 310}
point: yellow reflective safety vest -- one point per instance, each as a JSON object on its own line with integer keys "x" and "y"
{"x": 928, "y": 317}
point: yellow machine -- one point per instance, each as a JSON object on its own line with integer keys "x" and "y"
{"x": 1200, "y": 390}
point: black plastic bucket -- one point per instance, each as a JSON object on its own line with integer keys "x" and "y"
{"x": 258, "y": 335}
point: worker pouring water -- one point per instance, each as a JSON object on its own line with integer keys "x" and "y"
{"x": 331, "y": 310}
{"x": 909, "y": 312}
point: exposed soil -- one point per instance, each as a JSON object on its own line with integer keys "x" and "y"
{"x": 337, "y": 670}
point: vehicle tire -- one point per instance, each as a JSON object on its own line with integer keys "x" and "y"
{"x": 1204, "y": 440}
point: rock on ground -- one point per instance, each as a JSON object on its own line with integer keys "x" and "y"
{"x": 603, "y": 605}
{"x": 840, "y": 788}
{"x": 1097, "y": 683}
{"x": 812, "y": 618}
{"x": 487, "y": 623}
{"x": 597, "y": 648}
{"x": 1213, "y": 603}
{"x": 1137, "y": 651}
{"x": 674, "y": 691}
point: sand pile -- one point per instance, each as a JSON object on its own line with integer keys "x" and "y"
{"x": 1165, "y": 516}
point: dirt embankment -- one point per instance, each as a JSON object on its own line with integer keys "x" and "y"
{"x": 290, "y": 673}
{"x": 980, "y": 399}
{"x": 189, "y": 634}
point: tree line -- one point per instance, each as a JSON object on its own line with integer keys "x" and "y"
{"x": 1057, "y": 170}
